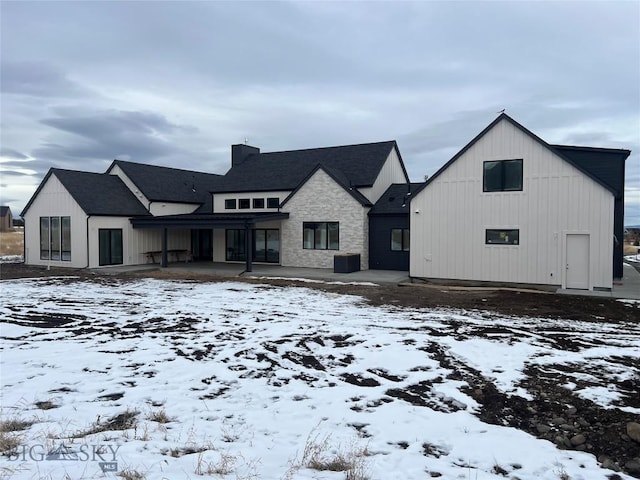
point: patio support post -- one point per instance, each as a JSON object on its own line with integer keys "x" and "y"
{"x": 164, "y": 261}
{"x": 248, "y": 246}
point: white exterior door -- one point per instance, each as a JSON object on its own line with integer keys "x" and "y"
{"x": 577, "y": 267}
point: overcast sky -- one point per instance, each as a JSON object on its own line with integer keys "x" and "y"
{"x": 176, "y": 83}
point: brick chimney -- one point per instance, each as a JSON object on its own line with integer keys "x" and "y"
{"x": 239, "y": 153}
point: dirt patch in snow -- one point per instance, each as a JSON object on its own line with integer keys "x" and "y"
{"x": 553, "y": 411}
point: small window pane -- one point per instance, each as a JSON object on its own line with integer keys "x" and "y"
{"x": 230, "y": 204}
{"x": 513, "y": 175}
{"x": 334, "y": 236}
{"x": 320, "y": 236}
{"x": 492, "y": 176}
{"x": 258, "y": 203}
{"x": 396, "y": 239}
{"x": 273, "y": 202}
{"x": 244, "y": 203}
{"x": 66, "y": 238}
{"x": 44, "y": 238}
{"x": 405, "y": 240}
{"x": 55, "y": 238}
{"x": 307, "y": 235}
{"x": 502, "y": 237}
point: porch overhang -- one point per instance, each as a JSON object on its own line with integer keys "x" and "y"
{"x": 205, "y": 221}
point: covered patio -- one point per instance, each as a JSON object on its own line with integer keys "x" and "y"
{"x": 243, "y": 221}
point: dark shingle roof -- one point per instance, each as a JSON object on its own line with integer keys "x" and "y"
{"x": 96, "y": 193}
{"x": 4, "y": 211}
{"x": 337, "y": 177}
{"x": 607, "y": 164}
{"x": 392, "y": 200}
{"x": 165, "y": 184}
{"x": 358, "y": 164}
{"x": 100, "y": 193}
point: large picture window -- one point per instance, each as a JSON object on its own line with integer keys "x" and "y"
{"x": 265, "y": 248}
{"x": 502, "y": 237}
{"x": 321, "y": 235}
{"x": 400, "y": 239}
{"x": 502, "y": 176}
{"x": 55, "y": 238}
{"x": 110, "y": 246}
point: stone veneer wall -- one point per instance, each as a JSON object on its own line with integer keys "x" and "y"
{"x": 321, "y": 199}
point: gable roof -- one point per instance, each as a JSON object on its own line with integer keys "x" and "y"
{"x": 564, "y": 154}
{"x": 337, "y": 177}
{"x": 96, "y": 193}
{"x": 358, "y": 164}
{"x": 165, "y": 184}
{"x": 395, "y": 200}
{"x": 4, "y": 210}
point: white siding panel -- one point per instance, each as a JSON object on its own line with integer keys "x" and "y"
{"x": 448, "y": 235}
{"x": 135, "y": 241}
{"x": 391, "y": 172}
{"x": 116, "y": 170}
{"x": 54, "y": 200}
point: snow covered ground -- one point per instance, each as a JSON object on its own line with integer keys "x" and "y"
{"x": 176, "y": 379}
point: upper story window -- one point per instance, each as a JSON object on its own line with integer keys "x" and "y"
{"x": 244, "y": 203}
{"x": 502, "y": 176}
{"x": 258, "y": 203}
{"x": 273, "y": 202}
{"x": 230, "y": 204}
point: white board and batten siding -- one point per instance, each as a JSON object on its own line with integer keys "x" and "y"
{"x": 321, "y": 199}
{"x": 391, "y": 172}
{"x": 450, "y": 216}
{"x": 54, "y": 200}
{"x": 135, "y": 242}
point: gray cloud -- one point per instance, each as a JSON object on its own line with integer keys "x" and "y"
{"x": 95, "y": 80}
{"x": 6, "y": 152}
{"x": 99, "y": 135}
{"x": 38, "y": 79}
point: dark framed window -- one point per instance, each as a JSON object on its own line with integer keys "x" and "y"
{"x": 321, "y": 235}
{"x": 236, "y": 246}
{"x": 502, "y": 237}
{"x": 244, "y": 203}
{"x": 230, "y": 204}
{"x": 266, "y": 245}
{"x": 258, "y": 203}
{"x": 273, "y": 202}
{"x": 44, "y": 238}
{"x": 265, "y": 248}
{"x": 110, "y": 246}
{"x": 55, "y": 238}
{"x": 400, "y": 239}
{"x": 502, "y": 176}
{"x": 65, "y": 232}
